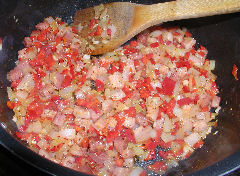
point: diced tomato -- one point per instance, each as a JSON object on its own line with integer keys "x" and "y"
{"x": 151, "y": 155}
{"x": 85, "y": 142}
{"x": 205, "y": 109}
{"x": 47, "y": 138}
{"x": 157, "y": 166}
{"x": 160, "y": 39}
{"x": 70, "y": 117}
{"x": 58, "y": 40}
{"x": 234, "y": 71}
{"x": 186, "y": 89}
{"x": 42, "y": 36}
{"x": 129, "y": 50}
{"x": 35, "y": 109}
{"x": 133, "y": 43}
{"x": 119, "y": 162}
{"x": 92, "y": 23}
{"x": 74, "y": 30}
{"x": 50, "y": 61}
{"x": 10, "y": 104}
{"x": 147, "y": 84}
{"x": 57, "y": 147}
{"x": 188, "y": 34}
{"x": 168, "y": 107}
{"x": 22, "y": 135}
{"x": 79, "y": 160}
{"x": 146, "y": 57}
{"x": 131, "y": 112}
{"x": 185, "y": 101}
{"x": 201, "y": 53}
{"x": 142, "y": 104}
{"x": 112, "y": 69}
{"x": 82, "y": 80}
{"x": 67, "y": 81}
{"x": 37, "y": 44}
{"x": 176, "y": 128}
{"x": 143, "y": 173}
{"x": 136, "y": 63}
{"x": 127, "y": 91}
{"x": 99, "y": 85}
{"x": 188, "y": 154}
{"x": 131, "y": 77}
{"x": 163, "y": 154}
{"x": 203, "y": 72}
{"x": 213, "y": 90}
{"x": 99, "y": 31}
{"x": 115, "y": 132}
{"x": 199, "y": 144}
{"x": 168, "y": 86}
{"x": 154, "y": 45}
{"x": 144, "y": 93}
{"x": 109, "y": 32}
{"x": 157, "y": 73}
{"x": 151, "y": 145}
{"x": 126, "y": 132}
{"x": 183, "y": 64}
{"x": 121, "y": 65}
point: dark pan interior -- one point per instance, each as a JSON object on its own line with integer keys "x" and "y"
{"x": 219, "y": 34}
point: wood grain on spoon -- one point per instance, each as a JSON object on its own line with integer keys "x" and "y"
{"x": 130, "y": 18}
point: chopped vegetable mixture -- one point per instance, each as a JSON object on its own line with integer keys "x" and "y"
{"x": 135, "y": 111}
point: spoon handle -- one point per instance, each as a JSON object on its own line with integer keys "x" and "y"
{"x": 184, "y": 9}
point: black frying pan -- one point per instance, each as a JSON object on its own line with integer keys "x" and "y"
{"x": 219, "y": 34}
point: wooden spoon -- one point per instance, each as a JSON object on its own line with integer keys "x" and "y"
{"x": 129, "y": 18}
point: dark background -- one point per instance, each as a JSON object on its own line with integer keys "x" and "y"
{"x": 10, "y": 165}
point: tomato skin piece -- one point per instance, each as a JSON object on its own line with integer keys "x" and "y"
{"x": 234, "y": 71}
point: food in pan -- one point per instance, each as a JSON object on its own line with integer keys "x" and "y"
{"x": 135, "y": 111}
